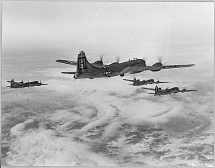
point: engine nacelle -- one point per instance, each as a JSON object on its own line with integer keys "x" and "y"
{"x": 183, "y": 90}
{"x": 156, "y": 67}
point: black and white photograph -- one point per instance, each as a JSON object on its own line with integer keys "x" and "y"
{"x": 95, "y": 83}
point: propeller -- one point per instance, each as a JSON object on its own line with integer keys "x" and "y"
{"x": 101, "y": 57}
{"x": 117, "y": 59}
{"x": 160, "y": 58}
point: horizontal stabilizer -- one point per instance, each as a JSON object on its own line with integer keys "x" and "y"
{"x": 128, "y": 80}
{"x": 147, "y": 88}
{"x": 68, "y": 72}
{"x": 161, "y": 82}
{"x": 67, "y": 62}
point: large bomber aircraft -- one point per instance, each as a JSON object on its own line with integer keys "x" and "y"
{"x": 137, "y": 82}
{"x": 98, "y": 70}
{"x": 159, "y": 91}
{"x": 21, "y": 84}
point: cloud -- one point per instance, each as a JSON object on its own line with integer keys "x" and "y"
{"x": 98, "y": 107}
{"x": 19, "y": 128}
{"x": 41, "y": 147}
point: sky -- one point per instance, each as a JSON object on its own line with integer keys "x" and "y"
{"x": 141, "y": 29}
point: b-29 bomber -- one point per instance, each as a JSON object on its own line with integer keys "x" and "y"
{"x": 159, "y": 91}
{"x": 99, "y": 70}
{"x": 21, "y": 84}
{"x": 137, "y": 82}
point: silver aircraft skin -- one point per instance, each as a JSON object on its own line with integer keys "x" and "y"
{"x": 159, "y": 91}
{"x": 137, "y": 82}
{"x": 98, "y": 70}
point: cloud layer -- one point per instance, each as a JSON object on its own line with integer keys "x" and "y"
{"x": 95, "y": 111}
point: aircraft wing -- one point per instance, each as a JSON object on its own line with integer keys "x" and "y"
{"x": 67, "y": 62}
{"x": 68, "y": 72}
{"x": 147, "y": 88}
{"x": 128, "y": 80}
{"x": 187, "y": 90}
{"x": 160, "y": 82}
{"x": 176, "y": 66}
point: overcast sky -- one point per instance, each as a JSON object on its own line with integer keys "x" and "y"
{"x": 132, "y": 28}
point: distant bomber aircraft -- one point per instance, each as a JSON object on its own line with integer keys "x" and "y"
{"x": 137, "y": 82}
{"x": 21, "y": 84}
{"x": 98, "y": 70}
{"x": 159, "y": 91}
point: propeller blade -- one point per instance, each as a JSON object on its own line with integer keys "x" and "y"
{"x": 101, "y": 57}
{"x": 117, "y": 59}
{"x": 160, "y": 58}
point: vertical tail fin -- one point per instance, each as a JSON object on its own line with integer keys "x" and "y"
{"x": 81, "y": 62}
{"x": 83, "y": 65}
{"x": 134, "y": 81}
{"x": 12, "y": 83}
{"x": 156, "y": 89}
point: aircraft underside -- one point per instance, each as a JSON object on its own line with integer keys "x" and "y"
{"x": 96, "y": 75}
